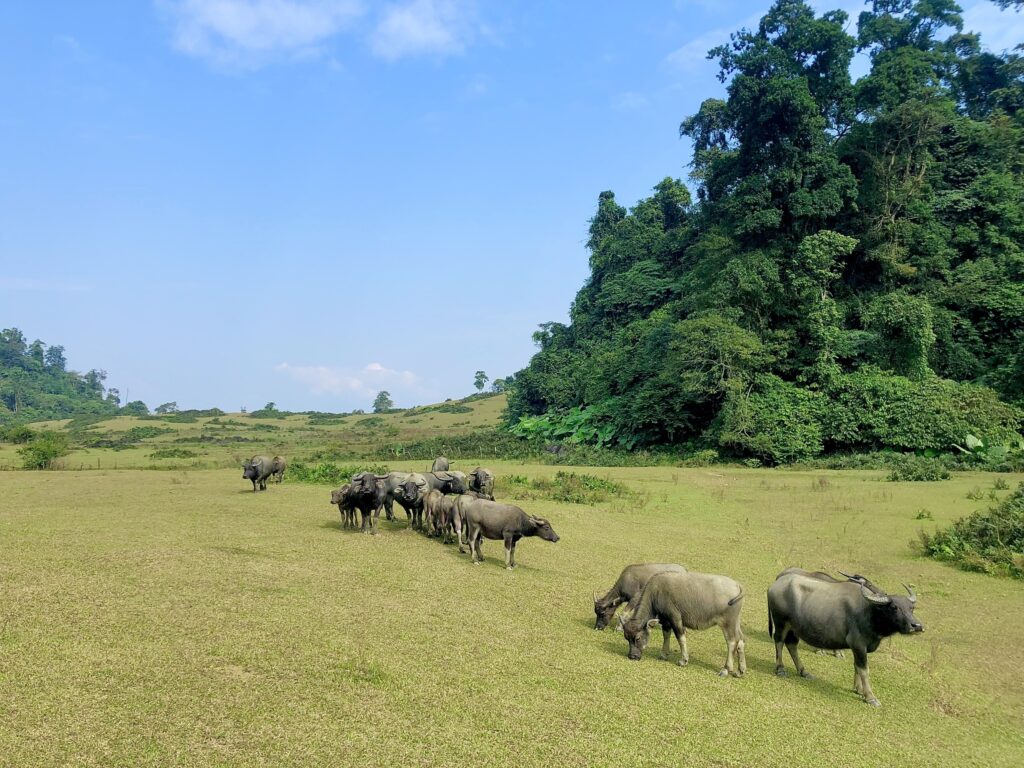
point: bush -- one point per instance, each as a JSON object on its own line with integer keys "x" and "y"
{"x": 173, "y": 453}
{"x": 325, "y": 473}
{"x": 988, "y": 542}
{"x": 44, "y": 449}
{"x": 917, "y": 468}
{"x": 774, "y": 421}
{"x": 19, "y": 434}
{"x": 567, "y": 487}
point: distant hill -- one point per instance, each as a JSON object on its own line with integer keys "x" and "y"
{"x": 35, "y": 383}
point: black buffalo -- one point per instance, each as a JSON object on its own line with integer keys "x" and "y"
{"x": 835, "y": 615}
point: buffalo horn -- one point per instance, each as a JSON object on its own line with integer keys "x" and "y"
{"x": 872, "y": 597}
{"x": 913, "y": 597}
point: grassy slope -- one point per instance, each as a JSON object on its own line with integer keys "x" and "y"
{"x": 293, "y": 437}
{"x": 156, "y": 618}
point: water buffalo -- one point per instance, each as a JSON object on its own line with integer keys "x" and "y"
{"x": 392, "y": 482}
{"x": 342, "y": 497}
{"x": 835, "y": 615}
{"x": 627, "y": 589}
{"x": 450, "y": 518}
{"x": 368, "y": 495}
{"x": 446, "y": 482}
{"x": 440, "y": 464}
{"x": 258, "y": 469}
{"x": 491, "y": 520}
{"x": 432, "y": 511}
{"x": 822, "y": 576}
{"x": 689, "y": 600}
{"x": 411, "y": 494}
{"x": 481, "y": 480}
{"x": 279, "y": 467}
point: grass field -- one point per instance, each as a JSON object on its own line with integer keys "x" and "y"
{"x": 175, "y": 618}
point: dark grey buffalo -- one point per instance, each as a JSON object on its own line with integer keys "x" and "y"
{"x": 368, "y": 495}
{"x": 822, "y": 576}
{"x": 450, "y": 518}
{"x": 411, "y": 493}
{"x": 507, "y": 522}
{"x": 258, "y": 469}
{"x": 279, "y": 467}
{"x": 432, "y": 512}
{"x": 834, "y": 615}
{"x": 689, "y": 600}
{"x": 392, "y": 482}
{"x": 446, "y": 482}
{"x": 346, "y": 506}
{"x": 627, "y": 589}
{"x": 481, "y": 480}
{"x": 440, "y": 464}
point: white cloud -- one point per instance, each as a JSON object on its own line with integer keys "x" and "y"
{"x": 1000, "y": 30}
{"x": 364, "y": 382}
{"x": 416, "y": 27}
{"x": 250, "y": 32}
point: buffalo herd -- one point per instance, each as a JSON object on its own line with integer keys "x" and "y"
{"x": 827, "y": 613}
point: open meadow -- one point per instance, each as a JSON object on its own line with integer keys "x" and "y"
{"x": 176, "y": 618}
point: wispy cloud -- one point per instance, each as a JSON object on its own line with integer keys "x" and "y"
{"x": 629, "y": 101}
{"x": 33, "y": 284}
{"x": 694, "y": 54}
{"x": 247, "y": 33}
{"x": 416, "y": 27}
{"x": 362, "y": 382}
{"x": 1000, "y": 30}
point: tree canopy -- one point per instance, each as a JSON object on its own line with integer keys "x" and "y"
{"x": 849, "y": 273}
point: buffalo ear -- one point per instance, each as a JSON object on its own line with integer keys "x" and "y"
{"x": 652, "y": 623}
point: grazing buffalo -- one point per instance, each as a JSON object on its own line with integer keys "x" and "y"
{"x": 368, "y": 495}
{"x": 834, "y": 615}
{"x": 627, "y": 589}
{"x": 279, "y": 467}
{"x": 258, "y": 469}
{"x": 440, "y": 464}
{"x": 822, "y": 576}
{"x": 491, "y": 520}
{"x": 481, "y": 480}
{"x": 342, "y": 497}
{"x": 688, "y": 600}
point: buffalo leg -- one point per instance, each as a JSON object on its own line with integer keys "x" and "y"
{"x": 513, "y": 553}
{"x": 791, "y": 646}
{"x": 458, "y": 532}
{"x": 509, "y": 545}
{"x": 860, "y": 674}
{"x": 666, "y": 644}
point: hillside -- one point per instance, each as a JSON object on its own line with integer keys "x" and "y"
{"x": 181, "y": 440}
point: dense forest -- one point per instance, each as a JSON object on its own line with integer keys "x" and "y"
{"x": 35, "y": 384}
{"x": 850, "y": 275}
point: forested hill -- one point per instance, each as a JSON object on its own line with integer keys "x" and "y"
{"x": 35, "y": 383}
{"x": 850, "y": 274}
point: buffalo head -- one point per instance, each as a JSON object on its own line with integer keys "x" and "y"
{"x": 544, "y": 529}
{"x": 250, "y": 471}
{"x": 893, "y": 613}
{"x": 637, "y": 634}
{"x": 339, "y": 495}
{"x": 603, "y": 611}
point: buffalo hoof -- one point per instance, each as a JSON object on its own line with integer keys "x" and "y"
{"x": 874, "y": 702}
{"x": 508, "y": 567}
{"x": 476, "y": 562}
{"x": 663, "y": 656}
{"x": 780, "y": 672}
{"x": 806, "y": 675}
{"x": 723, "y": 673}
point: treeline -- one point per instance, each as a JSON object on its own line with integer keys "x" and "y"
{"x": 850, "y": 275}
{"x": 35, "y": 384}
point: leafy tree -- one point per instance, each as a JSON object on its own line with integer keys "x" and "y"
{"x": 480, "y": 380}
{"x": 171, "y": 407}
{"x": 44, "y": 449}
{"x": 498, "y": 385}
{"x": 135, "y": 408}
{"x": 383, "y": 402}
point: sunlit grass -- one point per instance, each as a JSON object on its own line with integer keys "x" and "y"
{"x": 176, "y": 618}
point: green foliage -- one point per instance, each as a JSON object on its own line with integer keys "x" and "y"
{"x": 173, "y": 453}
{"x": 917, "y": 469}
{"x": 567, "y": 487}
{"x": 326, "y": 473}
{"x": 383, "y": 402}
{"x": 989, "y": 541}
{"x": 850, "y": 278}
{"x": 43, "y": 449}
{"x": 19, "y": 434}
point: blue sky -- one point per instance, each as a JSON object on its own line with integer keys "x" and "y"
{"x": 226, "y": 202}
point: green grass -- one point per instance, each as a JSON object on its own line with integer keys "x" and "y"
{"x": 176, "y": 618}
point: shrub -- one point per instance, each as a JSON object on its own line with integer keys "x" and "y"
{"x": 173, "y": 453}
{"x": 989, "y": 541}
{"x": 18, "y": 434}
{"x": 43, "y": 449}
{"x": 325, "y": 473}
{"x": 703, "y": 458}
{"x": 567, "y": 487}
{"x": 917, "y": 469}
{"x": 774, "y": 421}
